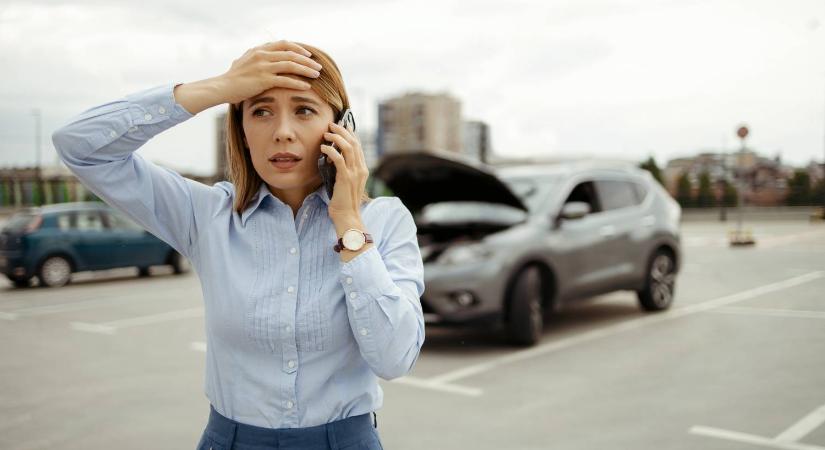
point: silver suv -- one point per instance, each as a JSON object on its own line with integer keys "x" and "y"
{"x": 513, "y": 243}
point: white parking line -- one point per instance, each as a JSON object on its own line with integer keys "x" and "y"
{"x": 805, "y": 425}
{"x": 633, "y": 324}
{"x": 772, "y": 312}
{"x": 113, "y": 326}
{"x": 788, "y": 439}
{"x": 751, "y": 439}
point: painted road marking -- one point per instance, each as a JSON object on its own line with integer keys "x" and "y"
{"x": 113, "y": 326}
{"x": 632, "y": 324}
{"x": 445, "y": 381}
{"x": 788, "y": 439}
{"x": 772, "y": 312}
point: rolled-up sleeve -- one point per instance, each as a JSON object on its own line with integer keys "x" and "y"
{"x": 383, "y": 288}
{"x": 98, "y": 146}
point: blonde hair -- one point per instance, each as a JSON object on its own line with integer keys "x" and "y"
{"x": 329, "y": 86}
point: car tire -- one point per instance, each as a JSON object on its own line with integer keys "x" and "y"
{"x": 179, "y": 263}
{"x": 55, "y": 271}
{"x": 143, "y": 272}
{"x": 525, "y": 322}
{"x": 660, "y": 281}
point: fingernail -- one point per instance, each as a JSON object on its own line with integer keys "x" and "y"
{"x": 317, "y": 74}
{"x": 307, "y": 53}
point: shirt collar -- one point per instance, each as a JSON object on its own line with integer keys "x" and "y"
{"x": 263, "y": 193}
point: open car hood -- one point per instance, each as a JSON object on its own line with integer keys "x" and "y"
{"x": 421, "y": 178}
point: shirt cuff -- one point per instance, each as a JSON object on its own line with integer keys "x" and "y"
{"x": 155, "y": 105}
{"x": 365, "y": 278}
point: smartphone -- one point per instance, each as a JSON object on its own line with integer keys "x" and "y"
{"x": 325, "y": 166}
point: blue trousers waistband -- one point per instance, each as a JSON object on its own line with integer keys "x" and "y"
{"x": 339, "y": 433}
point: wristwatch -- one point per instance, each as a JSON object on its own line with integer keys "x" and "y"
{"x": 352, "y": 240}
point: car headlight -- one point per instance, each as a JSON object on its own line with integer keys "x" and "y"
{"x": 465, "y": 254}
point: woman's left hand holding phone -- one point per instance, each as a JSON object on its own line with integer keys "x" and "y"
{"x": 258, "y": 69}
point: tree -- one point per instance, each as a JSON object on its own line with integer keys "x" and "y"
{"x": 730, "y": 196}
{"x": 818, "y": 194}
{"x": 651, "y": 166}
{"x": 684, "y": 194}
{"x": 704, "y": 199}
{"x": 799, "y": 189}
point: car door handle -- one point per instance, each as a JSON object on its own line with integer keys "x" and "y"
{"x": 607, "y": 231}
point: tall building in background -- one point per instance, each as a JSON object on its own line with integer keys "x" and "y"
{"x": 476, "y": 138}
{"x": 419, "y": 122}
{"x": 221, "y": 172}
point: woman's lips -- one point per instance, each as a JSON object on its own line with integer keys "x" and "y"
{"x": 284, "y": 164}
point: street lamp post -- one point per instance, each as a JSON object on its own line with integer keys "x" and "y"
{"x": 739, "y": 237}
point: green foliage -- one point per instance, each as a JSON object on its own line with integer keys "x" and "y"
{"x": 684, "y": 194}
{"x": 799, "y": 189}
{"x": 705, "y": 199}
{"x": 651, "y": 166}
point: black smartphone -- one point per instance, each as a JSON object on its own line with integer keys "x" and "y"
{"x": 325, "y": 166}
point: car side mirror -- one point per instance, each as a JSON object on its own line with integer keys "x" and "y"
{"x": 572, "y": 211}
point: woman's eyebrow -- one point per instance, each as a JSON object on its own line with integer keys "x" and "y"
{"x": 298, "y": 99}
{"x": 260, "y": 100}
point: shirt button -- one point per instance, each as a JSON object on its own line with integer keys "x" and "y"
{"x": 289, "y": 404}
{"x": 291, "y": 363}
{"x": 133, "y": 129}
{"x": 162, "y": 110}
{"x": 147, "y": 117}
{"x": 112, "y": 133}
{"x": 363, "y": 331}
{"x": 305, "y": 215}
{"x": 353, "y": 294}
{"x": 349, "y": 280}
{"x": 292, "y": 250}
{"x": 290, "y": 289}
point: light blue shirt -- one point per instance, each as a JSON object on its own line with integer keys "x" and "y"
{"x": 295, "y": 336}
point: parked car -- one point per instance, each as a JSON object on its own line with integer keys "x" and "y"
{"x": 52, "y": 242}
{"x": 512, "y": 244}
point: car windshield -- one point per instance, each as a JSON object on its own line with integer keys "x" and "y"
{"x": 532, "y": 191}
{"x": 20, "y": 221}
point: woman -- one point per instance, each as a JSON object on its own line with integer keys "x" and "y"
{"x": 298, "y": 332}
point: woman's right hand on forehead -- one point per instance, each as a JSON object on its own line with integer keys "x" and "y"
{"x": 261, "y": 68}
{"x": 265, "y": 66}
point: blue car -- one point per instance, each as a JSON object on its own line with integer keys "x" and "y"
{"x": 54, "y": 241}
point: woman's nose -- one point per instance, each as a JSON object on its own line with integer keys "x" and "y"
{"x": 284, "y": 132}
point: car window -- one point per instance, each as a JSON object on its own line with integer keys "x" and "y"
{"x": 65, "y": 222}
{"x": 532, "y": 191}
{"x": 89, "y": 221}
{"x": 20, "y": 221}
{"x": 585, "y": 192}
{"x": 641, "y": 192}
{"x": 616, "y": 194}
{"x": 120, "y": 222}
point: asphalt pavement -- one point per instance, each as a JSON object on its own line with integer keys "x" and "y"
{"x": 114, "y": 361}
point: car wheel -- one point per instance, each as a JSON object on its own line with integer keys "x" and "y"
{"x": 55, "y": 271}
{"x": 658, "y": 291}
{"x": 179, "y": 263}
{"x": 143, "y": 271}
{"x": 526, "y": 321}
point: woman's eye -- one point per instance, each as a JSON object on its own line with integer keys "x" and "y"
{"x": 305, "y": 111}
{"x": 257, "y": 111}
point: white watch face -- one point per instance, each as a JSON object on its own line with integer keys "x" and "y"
{"x": 353, "y": 239}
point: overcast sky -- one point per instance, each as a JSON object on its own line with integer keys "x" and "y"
{"x": 607, "y": 78}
